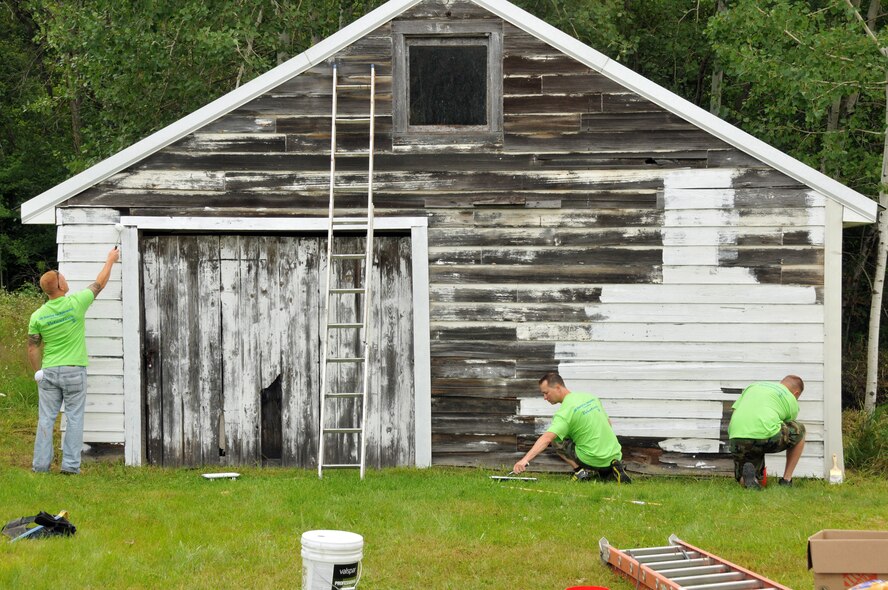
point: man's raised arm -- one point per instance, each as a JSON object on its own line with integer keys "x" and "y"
{"x": 105, "y": 273}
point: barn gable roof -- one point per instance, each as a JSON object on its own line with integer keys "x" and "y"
{"x": 857, "y": 207}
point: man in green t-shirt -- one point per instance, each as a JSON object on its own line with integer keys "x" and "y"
{"x": 580, "y": 432}
{"x": 57, "y": 352}
{"x": 764, "y": 421}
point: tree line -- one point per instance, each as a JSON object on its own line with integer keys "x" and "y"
{"x": 82, "y": 79}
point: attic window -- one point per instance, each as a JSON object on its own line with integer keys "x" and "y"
{"x": 446, "y": 82}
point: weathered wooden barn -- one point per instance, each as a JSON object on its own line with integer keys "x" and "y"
{"x": 539, "y": 206}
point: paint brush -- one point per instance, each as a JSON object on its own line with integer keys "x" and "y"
{"x": 835, "y": 474}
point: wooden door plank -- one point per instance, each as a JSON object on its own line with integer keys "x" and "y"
{"x": 209, "y": 349}
{"x": 150, "y": 280}
{"x": 171, "y": 388}
{"x": 251, "y": 332}
{"x": 231, "y": 349}
{"x": 302, "y": 265}
{"x": 188, "y": 303}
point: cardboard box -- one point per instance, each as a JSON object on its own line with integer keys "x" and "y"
{"x": 842, "y": 559}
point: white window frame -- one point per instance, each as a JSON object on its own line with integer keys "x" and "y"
{"x": 473, "y": 32}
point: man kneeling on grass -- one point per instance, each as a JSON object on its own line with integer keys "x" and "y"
{"x": 581, "y": 434}
{"x": 764, "y": 422}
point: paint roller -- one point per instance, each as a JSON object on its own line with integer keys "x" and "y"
{"x": 119, "y": 228}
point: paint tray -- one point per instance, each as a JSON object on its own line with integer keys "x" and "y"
{"x": 221, "y": 475}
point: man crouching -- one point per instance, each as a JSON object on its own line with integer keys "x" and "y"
{"x": 581, "y": 434}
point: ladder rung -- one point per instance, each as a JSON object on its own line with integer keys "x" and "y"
{"x": 655, "y": 558}
{"x": 664, "y": 565}
{"x": 739, "y": 585}
{"x": 345, "y": 360}
{"x": 692, "y": 581}
{"x": 354, "y": 119}
{"x": 343, "y": 430}
{"x": 341, "y": 466}
{"x": 345, "y": 394}
{"x": 653, "y": 550}
{"x": 694, "y": 571}
{"x": 351, "y": 256}
{"x": 348, "y": 290}
{"x": 343, "y": 326}
{"x": 352, "y": 86}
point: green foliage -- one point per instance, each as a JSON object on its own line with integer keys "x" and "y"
{"x": 663, "y": 40}
{"x": 30, "y": 146}
{"x": 788, "y": 65}
{"x": 16, "y": 376}
{"x": 866, "y": 440}
{"x": 132, "y": 68}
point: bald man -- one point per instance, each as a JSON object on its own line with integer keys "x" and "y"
{"x": 57, "y": 352}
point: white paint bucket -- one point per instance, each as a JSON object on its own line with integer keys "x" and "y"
{"x": 331, "y": 560}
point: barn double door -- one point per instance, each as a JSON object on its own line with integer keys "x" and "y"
{"x": 232, "y": 334}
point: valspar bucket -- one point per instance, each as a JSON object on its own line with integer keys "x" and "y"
{"x": 331, "y": 560}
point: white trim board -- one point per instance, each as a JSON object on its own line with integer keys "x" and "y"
{"x": 857, "y": 207}
{"x": 266, "y": 224}
{"x": 132, "y": 302}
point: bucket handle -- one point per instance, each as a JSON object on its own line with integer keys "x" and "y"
{"x": 357, "y": 579}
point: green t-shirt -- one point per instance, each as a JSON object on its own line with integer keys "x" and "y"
{"x": 761, "y": 409}
{"x": 61, "y": 323}
{"x": 582, "y": 419}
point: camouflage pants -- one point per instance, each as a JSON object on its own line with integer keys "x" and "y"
{"x": 566, "y": 449}
{"x": 752, "y": 450}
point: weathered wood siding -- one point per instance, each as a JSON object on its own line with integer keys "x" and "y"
{"x": 232, "y": 350}
{"x": 650, "y": 262}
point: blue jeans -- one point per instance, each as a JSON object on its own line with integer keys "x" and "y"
{"x": 59, "y": 384}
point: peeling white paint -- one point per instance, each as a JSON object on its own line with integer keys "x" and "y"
{"x": 687, "y": 209}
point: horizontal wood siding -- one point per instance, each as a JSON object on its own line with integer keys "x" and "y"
{"x": 85, "y": 236}
{"x": 647, "y": 260}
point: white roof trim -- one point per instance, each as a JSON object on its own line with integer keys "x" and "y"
{"x": 859, "y": 208}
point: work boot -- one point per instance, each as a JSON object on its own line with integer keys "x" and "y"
{"x": 619, "y": 472}
{"x": 785, "y": 482}
{"x": 580, "y": 474}
{"x": 749, "y": 480}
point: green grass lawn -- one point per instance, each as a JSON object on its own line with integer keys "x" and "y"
{"x": 431, "y": 529}
{"x": 434, "y": 528}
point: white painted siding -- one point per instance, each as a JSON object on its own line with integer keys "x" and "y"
{"x": 85, "y": 236}
{"x": 666, "y": 359}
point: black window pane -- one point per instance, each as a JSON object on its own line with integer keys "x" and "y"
{"x": 448, "y": 85}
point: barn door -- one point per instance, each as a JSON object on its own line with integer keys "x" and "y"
{"x": 232, "y": 350}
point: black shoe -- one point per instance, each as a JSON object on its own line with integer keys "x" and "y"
{"x": 64, "y": 472}
{"x": 620, "y": 473}
{"x": 749, "y": 480}
{"x": 580, "y": 474}
{"x": 785, "y": 482}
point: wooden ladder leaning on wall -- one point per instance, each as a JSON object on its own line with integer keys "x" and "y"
{"x": 338, "y": 226}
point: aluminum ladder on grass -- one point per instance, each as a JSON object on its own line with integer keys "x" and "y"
{"x": 337, "y": 226}
{"x": 680, "y": 565}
